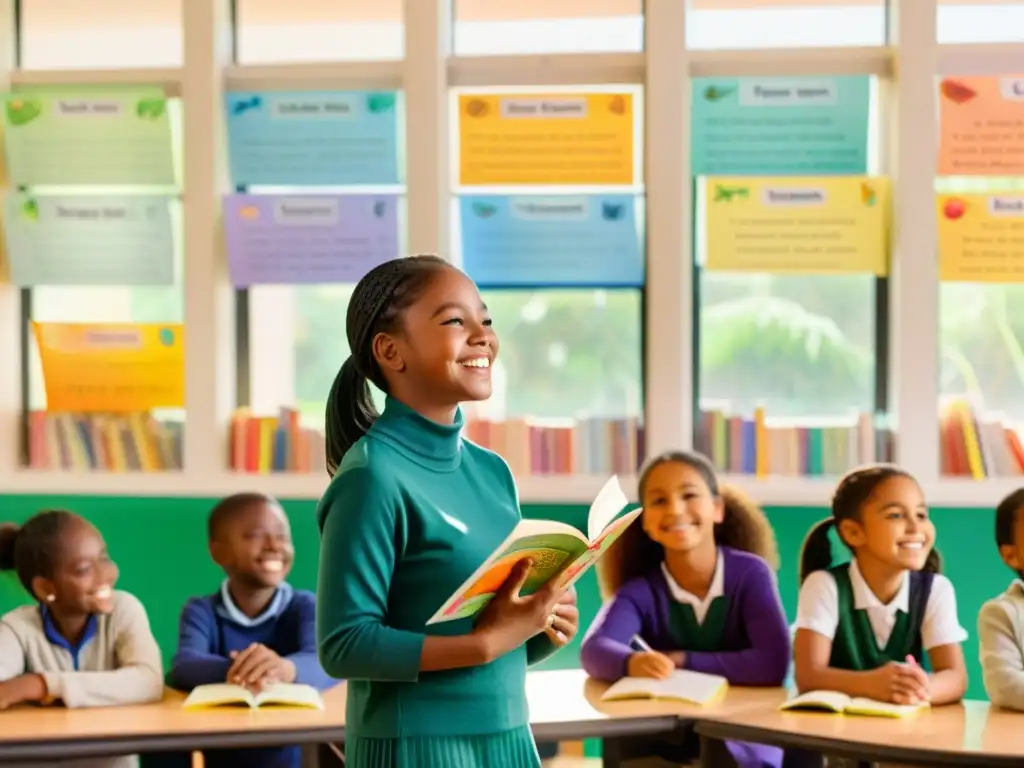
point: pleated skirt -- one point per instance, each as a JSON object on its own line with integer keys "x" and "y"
{"x": 507, "y": 749}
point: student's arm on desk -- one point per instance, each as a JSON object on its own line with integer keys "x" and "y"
{"x": 767, "y": 661}
{"x": 942, "y": 635}
{"x": 307, "y": 666}
{"x": 606, "y": 646}
{"x": 138, "y": 678}
{"x": 1002, "y": 662}
{"x": 16, "y": 685}
{"x": 361, "y": 533}
{"x": 195, "y": 664}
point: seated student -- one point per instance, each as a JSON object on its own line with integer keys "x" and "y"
{"x": 84, "y": 644}
{"x": 864, "y": 627}
{"x": 1001, "y": 620}
{"x": 691, "y": 580}
{"x": 255, "y": 630}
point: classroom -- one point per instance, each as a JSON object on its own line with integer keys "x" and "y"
{"x": 577, "y": 159}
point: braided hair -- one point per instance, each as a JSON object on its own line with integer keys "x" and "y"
{"x": 849, "y": 498}
{"x": 376, "y": 306}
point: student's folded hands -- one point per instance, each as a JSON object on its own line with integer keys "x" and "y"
{"x": 258, "y": 667}
{"x": 902, "y": 683}
{"x": 21, "y": 689}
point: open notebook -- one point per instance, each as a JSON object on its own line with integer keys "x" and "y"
{"x": 840, "y": 703}
{"x": 682, "y": 685}
{"x": 281, "y": 695}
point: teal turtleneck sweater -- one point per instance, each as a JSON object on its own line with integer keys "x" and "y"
{"x": 412, "y": 511}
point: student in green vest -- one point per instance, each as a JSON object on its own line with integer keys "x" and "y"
{"x": 884, "y": 625}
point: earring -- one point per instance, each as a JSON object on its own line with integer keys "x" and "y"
{"x": 50, "y": 598}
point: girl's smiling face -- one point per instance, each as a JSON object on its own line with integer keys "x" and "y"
{"x": 893, "y": 527}
{"x": 680, "y": 511}
{"x": 83, "y": 576}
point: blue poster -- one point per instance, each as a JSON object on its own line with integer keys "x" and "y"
{"x": 313, "y": 138}
{"x": 780, "y": 126}
{"x": 551, "y": 240}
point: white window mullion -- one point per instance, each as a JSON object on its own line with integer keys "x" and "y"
{"x": 10, "y": 304}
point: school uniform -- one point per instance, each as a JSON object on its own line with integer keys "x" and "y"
{"x": 866, "y": 633}
{"x": 1001, "y": 640}
{"x": 115, "y": 663}
{"x": 738, "y": 631}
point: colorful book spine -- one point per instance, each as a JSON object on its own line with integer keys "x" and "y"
{"x": 762, "y": 446}
{"x": 272, "y": 444}
{"x": 132, "y": 442}
{"x": 570, "y": 447}
{"x": 977, "y": 447}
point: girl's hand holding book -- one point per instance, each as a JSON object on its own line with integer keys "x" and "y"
{"x": 509, "y": 620}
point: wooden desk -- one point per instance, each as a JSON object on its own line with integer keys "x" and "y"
{"x": 968, "y": 734}
{"x": 55, "y": 733}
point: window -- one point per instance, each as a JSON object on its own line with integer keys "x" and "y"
{"x": 739, "y": 24}
{"x": 980, "y": 21}
{"x": 100, "y": 34}
{"x": 273, "y": 32}
{"x": 488, "y": 28}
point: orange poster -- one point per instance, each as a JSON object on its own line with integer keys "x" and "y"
{"x": 981, "y": 126}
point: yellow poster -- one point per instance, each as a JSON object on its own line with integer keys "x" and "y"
{"x": 981, "y": 238}
{"x": 813, "y": 225}
{"x": 554, "y": 138}
{"x": 112, "y": 367}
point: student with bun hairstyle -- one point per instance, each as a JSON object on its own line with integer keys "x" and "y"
{"x": 874, "y": 626}
{"x": 411, "y": 512}
{"x": 694, "y": 581}
{"x": 82, "y": 643}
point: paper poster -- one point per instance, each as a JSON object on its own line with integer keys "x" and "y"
{"x": 88, "y": 137}
{"x": 557, "y": 240}
{"x": 778, "y": 126}
{"x": 302, "y": 239}
{"x": 797, "y": 225}
{"x": 112, "y": 367}
{"x": 981, "y": 126}
{"x": 313, "y": 138}
{"x": 981, "y": 238}
{"x": 89, "y": 240}
{"x": 554, "y": 138}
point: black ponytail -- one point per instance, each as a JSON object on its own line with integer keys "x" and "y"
{"x": 376, "y": 307}
{"x": 816, "y": 553}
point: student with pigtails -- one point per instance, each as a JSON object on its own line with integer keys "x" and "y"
{"x": 884, "y": 625}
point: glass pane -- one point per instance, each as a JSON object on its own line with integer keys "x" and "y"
{"x": 100, "y": 34}
{"x": 489, "y": 28}
{"x": 274, "y": 32}
{"x": 980, "y": 21}
{"x": 746, "y": 24}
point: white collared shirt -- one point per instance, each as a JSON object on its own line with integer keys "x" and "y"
{"x": 818, "y": 608}
{"x": 716, "y": 589}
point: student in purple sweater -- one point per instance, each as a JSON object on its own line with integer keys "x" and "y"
{"x": 694, "y": 582}
{"x": 256, "y": 630}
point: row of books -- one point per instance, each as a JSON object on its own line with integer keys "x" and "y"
{"x": 132, "y": 442}
{"x": 762, "y": 446}
{"x": 977, "y": 447}
{"x": 265, "y": 444}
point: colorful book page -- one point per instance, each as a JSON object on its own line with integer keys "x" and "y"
{"x": 797, "y": 225}
{"x": 89, "y": 240}
{"x": 557, "y": 240}
{"x": 777, "y": 126}
{"x": 313, "y": 138}
{"x": 94, "y": 137}
{"x": 981, "y": 126}
{"x": 556, "y": 138}
{"x": 981, "y": 238}
{"x": 112, "y": 367}
{"x": 308, "y": 239}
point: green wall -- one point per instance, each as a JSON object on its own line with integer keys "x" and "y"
{"x": 160, "y": 546}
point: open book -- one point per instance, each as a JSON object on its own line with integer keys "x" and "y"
{"x": 558, "y": 550}
{"x": 227, "y": 695}
{"x": 840, "y": 703}
{"x": 682, "y": 685}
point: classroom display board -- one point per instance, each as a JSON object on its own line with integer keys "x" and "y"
{"x": 308, "y": 239}
{"x": 797, "y": 225}
{"x": 313, "y": 138}
{"x": 556, "y": 240}
{"x": 79, "y": 136}
{"x": 981, "y": 238}
{"x": 546, "y": 139}
{"x": 89, "y": 239}
{"x": 779, "y": 126}
{"x": 981, "y": 123}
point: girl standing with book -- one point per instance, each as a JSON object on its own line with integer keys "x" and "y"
{"x": 412, "y": 510}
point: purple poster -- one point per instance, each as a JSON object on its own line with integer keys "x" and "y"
{"x": 308, "y": 239}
